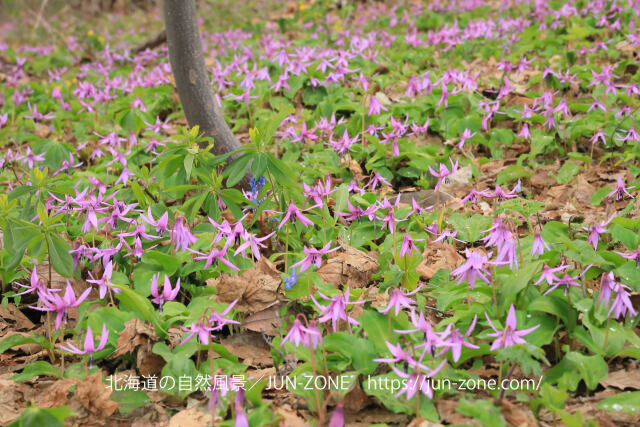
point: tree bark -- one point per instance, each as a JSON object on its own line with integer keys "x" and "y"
{"x": 194, "y": 88}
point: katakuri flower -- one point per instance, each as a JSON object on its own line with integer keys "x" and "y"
{"x": 510, "y": 335}
{"x": 168, "y": 293}
{"x": 89, "y": 345}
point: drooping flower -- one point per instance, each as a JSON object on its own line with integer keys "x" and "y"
{"x": 53, "y": 302}
{"x": 620, "y": 190}
{"x": 596, "y": 230}
{"x": 417, "y": 381}
{"x": 215, "y": 255}
{"x": 314, "y": 256}
{"x": 336, "y": 310}
{"x": 539, "y": 245}
{"x": 473, "y": 269}
{"x": 299, "y": 334}
{"x": 408, "y": 245}
{"x": 622, "y": 306}
{"x": 451, "y": 338}
{"x": 510, "y": 335}
{"x": 105, "y": 282}
{"x": 294, "y": 213}
{"x": 198, "y": 328}
{"x": 168, "y": 293}
{"x": 337, "y": 418}
{"x": 399, "y": 299}
{"x": 253, "y": 242}
{"x": 444, "y": 173}
{"x": 181, "y": 235}
{"x": 89, "y": 345}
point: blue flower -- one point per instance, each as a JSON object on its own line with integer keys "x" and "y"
{"x": 291, "y": 280}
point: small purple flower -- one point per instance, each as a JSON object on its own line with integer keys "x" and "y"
{"x": 337, "y": 418}
{"x": 213, "y": 257}
{"x": 375, "y": 106}
{"x": 622, "y": 306}
{"x": 299, "y": 334}
{"x": 203, "y": 331}
{"x": 292, "y": 213}
{"x": 596, "y": 230}
{"x": 509, "y": 336}
{"x": 417, "y": 381}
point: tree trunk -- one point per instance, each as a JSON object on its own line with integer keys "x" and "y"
{"x": 194, "y": 88}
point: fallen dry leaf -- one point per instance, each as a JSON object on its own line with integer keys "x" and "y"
{"x": 516, "y": 416}
{"x": 250, "y": 347}
{"x": 91, "y": 401}
{"x": 12, "y": 398}
{"x": 255, "y": 289}
{"x": 56, "y": 394}
{"x": 266, "y": 321}
{"x": 140, "y": 336}
{"x": 623, "y": 379}
{"x": 352, "y": 268}
{"x": 192, "y": 417}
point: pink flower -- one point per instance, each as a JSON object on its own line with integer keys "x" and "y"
{"x": 203, "y": 331}
{"x": 398, "y": 300}
{"x": 314, "y": 256}
{"x": 375, "y": 106}
{"x": 408, "y": 246}
{"x": 53, "y": 302}
{"x": 253, "y": 242}
{"x": 299, "y": 334}
{"x": 292, "y": 213}
{"x": 89, "y": 345}
{"x": 167, "y": 294}
{"x": 417, "y": 381}
{"x": 214, "y": 256}
{"x": 472, "y": 269}
{"x": 181, "y": 235}
{"x": 336, "y": 310}
{"x": 105, "y": 282}
{"x": 509, "y": 336}
{"x": 620, "y": 190}
{"x": 539, "y": 245}
{"x": 454, "y": 340}
{"x": 443, "y": 173}
{"x": 337, "y": 418}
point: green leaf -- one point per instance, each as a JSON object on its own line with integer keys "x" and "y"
{"x": 39, "y": 417}
{"x": 138, "y": 304}
{"x": 237, "y": 170}
{"x": 624, "y": 402}
{"x": 483, "y": 411}
{"x": 168, "y": 263}
{"x": 592, "y": 369}
{"x": 281, "y": 171}
{"x": 566, "y": 173}
{"x": 469, "y": 228}
{"x": 17, "y": 339}
{"x": 129, "y": 400}
{"x": 59, "y": 255}
{"x": 35, "y": 369}
{"x": 259, "y": 165}
{"x": 599, "y": 195}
